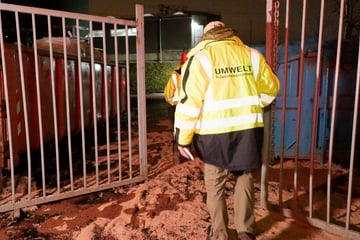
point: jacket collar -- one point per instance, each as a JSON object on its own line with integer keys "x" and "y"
{"x": 205, "y": 43}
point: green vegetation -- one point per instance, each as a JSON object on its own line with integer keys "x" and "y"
{"x": 156, "y": 76}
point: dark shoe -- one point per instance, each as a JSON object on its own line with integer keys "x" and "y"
{"x": 246, "y": 236}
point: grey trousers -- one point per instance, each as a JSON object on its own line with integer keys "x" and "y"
{"x": 244, "y": 219}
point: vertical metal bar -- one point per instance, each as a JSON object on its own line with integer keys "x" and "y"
{"x": 23, "y": 93}
{"x": 128, "y": 99}
{"x": 267, "y": 112}
{"x": 81, "y": 100}
{"x": 54, "y": 106}
{"x": 118, "y": 99}
{"x": 325, "y": 111}
{"x": 68, "y": 123}
{"x": 353, "y": 141}
{"x": 315, "y": 109}
{"x": 298, "y": 122}
{"x": 39, "y": 106}
{"x": 6, "y": 91}
{"x": 284, "y": 96}
{"x": 333, "y": 112}
{"x": 106, "y": 102}
{"x": 94, "y": 104}
{"x": 141, "y": 93}
{"x": 160, "y": 41}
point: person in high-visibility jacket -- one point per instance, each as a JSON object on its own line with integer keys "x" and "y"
{"x": 225, "y": 86}
{"x": 172, "y": 87}
{"x": 172, "y": 96}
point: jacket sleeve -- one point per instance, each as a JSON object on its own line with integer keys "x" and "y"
{"x": 188, "y": 110}
{"x": 267, "y": 83}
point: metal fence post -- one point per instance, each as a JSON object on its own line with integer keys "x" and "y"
{"x": 141, "y": 90}
{"x": 266, "y": 142}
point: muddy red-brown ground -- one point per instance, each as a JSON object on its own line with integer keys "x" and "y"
{"x": 171, "y": 204}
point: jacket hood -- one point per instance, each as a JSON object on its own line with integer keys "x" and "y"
{"x": 218, "y": 33}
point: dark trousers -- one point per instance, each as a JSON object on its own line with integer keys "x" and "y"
{"x": 177, "y": 158}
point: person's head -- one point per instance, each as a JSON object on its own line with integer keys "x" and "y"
{"x": 183, "y": 58}
{"x": 213, "y": 24}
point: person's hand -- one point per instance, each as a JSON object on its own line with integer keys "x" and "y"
{"x": 185, "y": 152}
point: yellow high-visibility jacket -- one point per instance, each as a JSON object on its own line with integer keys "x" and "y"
{"x": 172, "y": 87}
{"x": 225, "y": 85}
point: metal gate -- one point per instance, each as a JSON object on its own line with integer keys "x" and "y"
{"x": 315, "y": 121}
{"x": 67, "y": 127}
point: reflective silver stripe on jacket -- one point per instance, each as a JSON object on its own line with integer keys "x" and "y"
{"x": 176, "y": 96}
